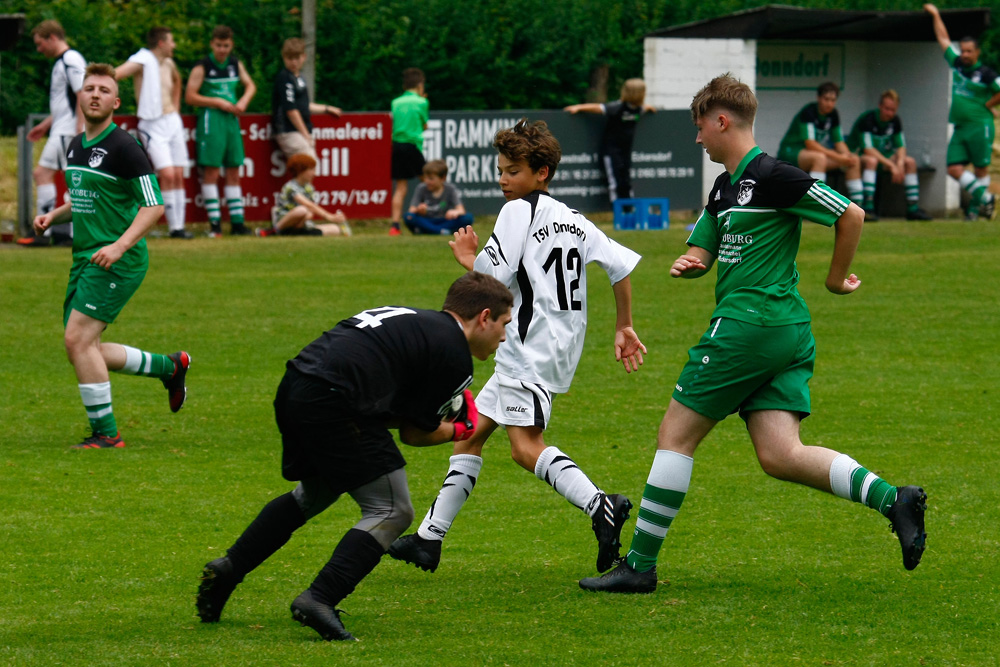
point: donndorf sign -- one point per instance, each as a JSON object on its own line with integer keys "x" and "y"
{"x": 799, "y": 65}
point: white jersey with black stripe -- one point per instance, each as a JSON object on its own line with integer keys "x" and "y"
{"x": 64, "y": 84}
{"x": 539, "y": 249}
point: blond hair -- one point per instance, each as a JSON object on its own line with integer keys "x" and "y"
{"x": 634, "y": 92}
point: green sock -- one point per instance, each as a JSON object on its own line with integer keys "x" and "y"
{"x": 149, "y": 364}
{"x": 849, "y": 480}
{"x": 97, "y": 402}
{"x": 666, "y": 487}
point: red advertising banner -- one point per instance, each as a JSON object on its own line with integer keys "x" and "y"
{"x": 352, "y": 175}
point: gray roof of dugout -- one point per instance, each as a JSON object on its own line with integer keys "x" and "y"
{"x": 799, "y": 23}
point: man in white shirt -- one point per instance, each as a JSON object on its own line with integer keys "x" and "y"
{"x": 158, "y": 97}
{"x": 62, "y": 124}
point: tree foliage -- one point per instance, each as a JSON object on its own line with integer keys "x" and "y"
{"x": 477, "y": 54}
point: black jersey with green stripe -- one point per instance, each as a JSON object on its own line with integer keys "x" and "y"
{"x": 871, "y": 132}
{"x": 809, "y": 124}
{"x": 109, "y": 178}
{"x": 971, "y": 88}
{"x": 752, "y": 224}
{"x": 221, "y": 79}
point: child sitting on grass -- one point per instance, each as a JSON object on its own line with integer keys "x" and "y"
{"x": 295, "y": 207}
{"x": 436, "y": 207}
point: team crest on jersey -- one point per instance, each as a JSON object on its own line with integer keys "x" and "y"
{"x": 746, "y": 191}
{"x": 977, "y": 77}
{"x": 96, "y": 157}
{"x": 718, "y": 195}
{"x": 232, "y": 71}
{"x": 77, "y": 178}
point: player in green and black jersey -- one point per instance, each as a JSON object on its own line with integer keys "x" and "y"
{"x": 877, "y": 136}
{"x": 213, "y": 85}
{"x": 756, "y": 358}
{"x": 114, "y": 200}
{"x": 815, "y": 142}
{"x": 975, "y": 92}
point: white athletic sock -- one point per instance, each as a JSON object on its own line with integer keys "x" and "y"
{"x": 463, "y": 471}
{"x": 818, "y": 175}
{"x": 180, "y": 208}
{"x": 45, "y": 198}
{"x": 563, "y": 475}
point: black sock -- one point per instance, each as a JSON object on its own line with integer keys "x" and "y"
{"x": 266, "y": 534}
{"x": 356, "y": 555}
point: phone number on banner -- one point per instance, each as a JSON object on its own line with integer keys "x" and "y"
{"x": 350, "y": 197}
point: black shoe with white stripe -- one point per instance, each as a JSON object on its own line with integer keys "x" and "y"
{"x": 611, "y": 515}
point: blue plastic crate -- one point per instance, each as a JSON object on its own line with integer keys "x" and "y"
{"x": 644, "y": 213}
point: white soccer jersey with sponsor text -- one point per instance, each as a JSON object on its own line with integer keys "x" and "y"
{"x": 65, "y": 82}
{"x": 539, "y": 249}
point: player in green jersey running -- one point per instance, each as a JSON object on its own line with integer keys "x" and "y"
{"x": 212, "y": 86}
{"x": 114, "y": 200}
{"x": 757, "y": 356}
{"x": 975, "y": 92}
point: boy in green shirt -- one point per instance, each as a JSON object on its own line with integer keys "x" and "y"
{"x": 114, "y": 200}
{"x": 212, "y": 86}
{"x": 410, "y": 113}
{"x": 757, "y": 356}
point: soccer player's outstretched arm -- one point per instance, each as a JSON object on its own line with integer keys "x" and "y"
{"x": 628, "y": 348}
{"x": 848, "y": 234}
{"x": 694, "y": 264}
{"x": 940, "y": 31}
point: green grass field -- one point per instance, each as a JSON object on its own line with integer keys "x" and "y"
{"x": 102, "y": 550}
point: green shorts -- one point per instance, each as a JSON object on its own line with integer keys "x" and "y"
{"x": 737, "y": 366}
{"x": 98, "y": 293}
{"x": 790, "y": 154}
{"x": 971, "y": 143}
{"x": 219, "y": 141}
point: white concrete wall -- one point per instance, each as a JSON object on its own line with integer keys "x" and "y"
{"x": 675, "y": 69}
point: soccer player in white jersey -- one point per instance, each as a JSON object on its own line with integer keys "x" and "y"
{"x": 539, "y": 249}
{"x": 62, "y": 124}
{"x": 158, "y": 95}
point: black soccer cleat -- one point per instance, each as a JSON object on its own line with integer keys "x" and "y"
{"x": 239, "y": 230}
{"x": 177, "y": 391}
{"x": 907, "y": 517}
{"x": 918, "y": 214}
{"x": 622, "y": 579}
{"x": 425, "y": 554}
{"x": 322, "y": 618}
{"x": 218, "y": 581}
{"x": 98, "y": 441}
{"x": 988, "y": 206}
{"x": 611, "y": 515}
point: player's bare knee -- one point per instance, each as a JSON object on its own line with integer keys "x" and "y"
{"x": 910, "y": 165}
{"x": 868, "y": 163}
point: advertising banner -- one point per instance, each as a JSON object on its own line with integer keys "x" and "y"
{"x": 352, "y": 175}
{"x": 666, "y": 162}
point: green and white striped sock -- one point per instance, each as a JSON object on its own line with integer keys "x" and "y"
{"x": 849, "y": 480}
{"x": 234, "y": 202}
{"x": 666, "y": 487}
{"x": 97, "y": 402}
{"x": 150, "y": 364}
{"x": 210, "y": 195}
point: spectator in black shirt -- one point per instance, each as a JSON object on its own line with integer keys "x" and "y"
{"x": 619, "y": 132}
{"x": 291, "y": 122}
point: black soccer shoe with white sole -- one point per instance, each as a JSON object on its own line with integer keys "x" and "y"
{"x": 907, "y": 517}
{"x": 622, "y": 579}
{"x": 425, "y": 554}
{"x": 611, "y": 515}
{"x": 217, "y": 583}
{"x": 322, "y": 618}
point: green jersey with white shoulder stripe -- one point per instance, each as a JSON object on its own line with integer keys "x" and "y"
{"x": 109, "y": 178}
{"x": 752, "y": 224}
